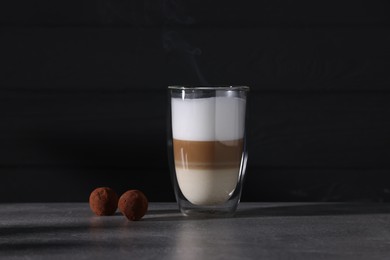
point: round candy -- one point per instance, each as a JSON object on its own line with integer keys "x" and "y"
{"x": 103, "y": 201}
{"x": 133, "y": 204}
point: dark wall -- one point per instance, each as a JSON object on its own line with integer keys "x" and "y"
{"x": 83, "y": 94}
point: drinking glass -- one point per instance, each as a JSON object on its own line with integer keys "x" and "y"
{"x": 207, "y": 147}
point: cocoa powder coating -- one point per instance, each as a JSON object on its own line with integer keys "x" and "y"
{"x": 133, "y": 204}
{"x": 103, "y": 201}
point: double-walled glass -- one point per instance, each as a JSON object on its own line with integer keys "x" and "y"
{"x": 207, "y": 148}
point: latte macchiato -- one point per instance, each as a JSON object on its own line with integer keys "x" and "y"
{"x": 208, "y": 140}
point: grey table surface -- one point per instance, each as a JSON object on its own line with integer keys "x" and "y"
{"x": 257, "y": 231}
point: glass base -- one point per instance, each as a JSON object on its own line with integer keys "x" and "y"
{"x": 226, "y": 210}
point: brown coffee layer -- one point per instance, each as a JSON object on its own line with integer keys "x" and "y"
{"x": 207, "y": 154}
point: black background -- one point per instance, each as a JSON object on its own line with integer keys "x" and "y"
{"x": 83, "y": 94}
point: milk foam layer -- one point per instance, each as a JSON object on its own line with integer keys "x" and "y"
{"x": 208, "y": 119}
{"x": 207, "y": 187}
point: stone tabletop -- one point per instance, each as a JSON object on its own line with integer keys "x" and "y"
{"x": 257, "y": 231}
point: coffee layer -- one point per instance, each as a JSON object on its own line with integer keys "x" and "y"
{"x": 207, "y": 154}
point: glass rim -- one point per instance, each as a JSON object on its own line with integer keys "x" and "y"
{"x": 216, "y": 87}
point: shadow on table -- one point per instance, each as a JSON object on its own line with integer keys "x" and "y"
{"x": 32, "y": 239}
{"x": 34, "y": 248}
{"x": 93, "y": 225}
{"x": 317, "y": 209}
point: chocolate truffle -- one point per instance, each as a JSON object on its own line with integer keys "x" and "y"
{"x": 103, "y": 201}
{"x": 133, "y": 204}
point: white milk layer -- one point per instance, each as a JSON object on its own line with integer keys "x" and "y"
{"x": 207, "y": 187}
{"x": 208, "y": 119}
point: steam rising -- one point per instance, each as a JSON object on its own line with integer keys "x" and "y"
{"x": 174, "y": 42}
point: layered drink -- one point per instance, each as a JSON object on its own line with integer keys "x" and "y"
{"x": 208, "y": 143}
